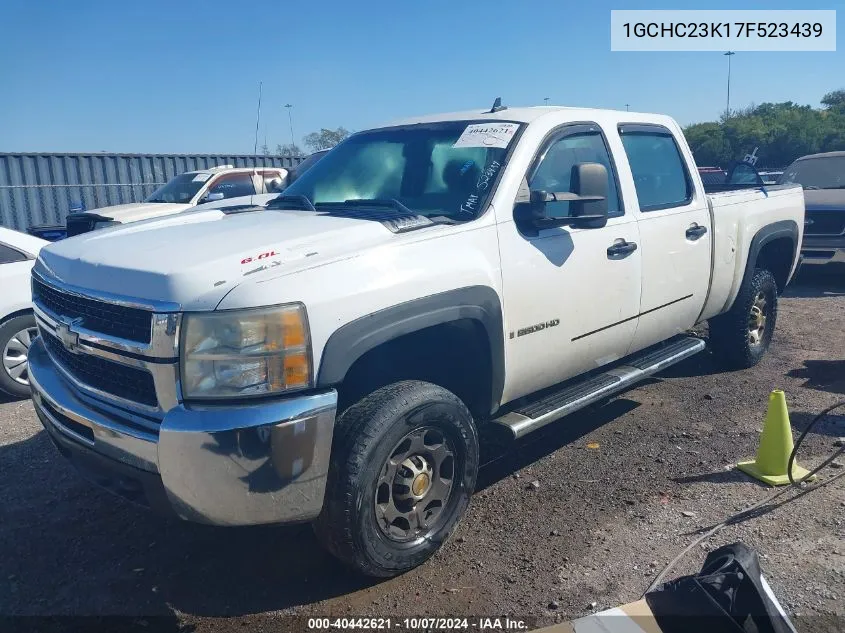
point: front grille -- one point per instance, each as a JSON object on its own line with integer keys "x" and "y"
{"x": 80, "y": 429}
{"x": 130, "y": 383}
{"x": 825, "y": 223}
{"x": 133, "y": 324}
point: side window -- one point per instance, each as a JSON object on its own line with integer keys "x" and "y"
{"x": 9, "y": 255}
{"x": 660, "y": 175}
{"x": 233, "y": 185}
{"x": 273, "y": 182}
{"x": 554, "y": 172}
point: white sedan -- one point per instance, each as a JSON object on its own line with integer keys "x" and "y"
{"x": 17, "y": 325}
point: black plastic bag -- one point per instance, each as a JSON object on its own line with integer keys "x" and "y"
{"x": 728, "y": 595}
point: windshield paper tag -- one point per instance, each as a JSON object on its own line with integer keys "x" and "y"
{"x": 487, "y": 135}
{"x": 201, "y": 177}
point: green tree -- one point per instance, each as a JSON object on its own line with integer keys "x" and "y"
{"x": 325, "y": 138}
{"x": 781, "y": 131}
{"x": 834, "y": 100}
{"x": 289, "y": 150}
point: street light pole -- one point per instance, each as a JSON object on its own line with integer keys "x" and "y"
{"x": 546, "y": 100}
{"x": 729, "y": 54}
{"x": 290, "y": 120}
{"x": 627, "y": 107}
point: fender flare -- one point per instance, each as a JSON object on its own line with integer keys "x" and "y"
{"x": 773, "y": 231}
{"x": 351, "y": 341}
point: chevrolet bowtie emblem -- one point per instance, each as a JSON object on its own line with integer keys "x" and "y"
{"x": 68, "y": 338}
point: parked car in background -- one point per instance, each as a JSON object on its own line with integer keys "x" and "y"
{"x": 738, "y": 175}
{"x": 306, "y": 164}
{"x": 823, "y": 178}
{"x": 17, "y": 324}
{"x": 334, "y": 361}
{"x": 262, "y": 200}
{"x": 770, "y": 176}
{"x": 49, "y": 232}
{"x": 183, "y": 192}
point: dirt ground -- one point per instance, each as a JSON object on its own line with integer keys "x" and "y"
{"x": 594, "y": 533}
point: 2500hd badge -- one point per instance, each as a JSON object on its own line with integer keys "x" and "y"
{"x": 536, "y": 328}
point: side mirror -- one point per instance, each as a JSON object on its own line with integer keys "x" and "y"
{"x": 274, "y": 185}
{"x": 588, "y": 200}
{"x": 213, "y": 197}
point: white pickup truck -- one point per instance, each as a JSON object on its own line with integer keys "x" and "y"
{"x": 186, "y": 190}
{"x": 333, "y": 357}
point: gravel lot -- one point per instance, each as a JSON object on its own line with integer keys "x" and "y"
{"x": 599, "y": 526}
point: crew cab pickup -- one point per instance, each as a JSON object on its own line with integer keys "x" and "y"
{"x": 181, "y": 193}
{"x": 332, "y": 357}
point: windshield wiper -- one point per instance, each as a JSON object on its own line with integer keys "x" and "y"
{"x": 392, "y": 203}
{"x": 292, "y": 201}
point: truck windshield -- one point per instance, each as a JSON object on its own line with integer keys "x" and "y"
{"x": 180, "y": 189}
{"x": 444, "y": 169}
{"x": 826, "y": 172}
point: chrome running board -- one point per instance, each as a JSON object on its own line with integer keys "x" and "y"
{"x": 574, "y": 396}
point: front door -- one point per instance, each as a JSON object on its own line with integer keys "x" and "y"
{"x": 675, "y": 232}
{"x": 571, "y": 295}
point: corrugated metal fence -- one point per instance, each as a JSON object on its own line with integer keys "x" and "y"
{"x": 43, "y": 188}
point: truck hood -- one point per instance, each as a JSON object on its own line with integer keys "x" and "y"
{"x": 824, "y": 199}
{"x": 126, "y": 213}
{"x": 193, "y": 259}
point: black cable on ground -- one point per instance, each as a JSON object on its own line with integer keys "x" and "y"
{"x": 747, "y": 513}
{"x": 794, "y": 452}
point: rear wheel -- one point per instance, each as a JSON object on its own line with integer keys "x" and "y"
{"x": 16, "y": 336}
{"x": 741, "y": 336}
{"x": 404, "y": 465}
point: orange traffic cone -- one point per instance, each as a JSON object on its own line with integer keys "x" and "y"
{"x": 775, "y": 446}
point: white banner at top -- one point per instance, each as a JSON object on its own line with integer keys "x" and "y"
{"x": 716, "y": 30}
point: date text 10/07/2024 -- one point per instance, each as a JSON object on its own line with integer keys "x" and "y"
{"x": 723, "y": 29}
{"x": 417, "y": 624}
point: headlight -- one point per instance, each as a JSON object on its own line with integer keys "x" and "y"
{"x": 239, "y": 353}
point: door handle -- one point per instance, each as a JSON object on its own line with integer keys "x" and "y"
{"x": 695, "y": 232}
{"x": 621, "y": 249}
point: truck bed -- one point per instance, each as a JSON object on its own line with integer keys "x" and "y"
{"x": 737, "y": 215}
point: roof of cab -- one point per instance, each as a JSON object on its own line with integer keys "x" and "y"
{"x": 823, "y": 155}
{"x": 519, "y": 114}
{"x": 231, "y": 168}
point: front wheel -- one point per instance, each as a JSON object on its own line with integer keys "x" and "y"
{"x": 16, "y": 336}
{"x": 404, "y": 465}
{"x": 741, "y": 336}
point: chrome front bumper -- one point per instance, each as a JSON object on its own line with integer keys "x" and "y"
{"x": 225, "y": 465}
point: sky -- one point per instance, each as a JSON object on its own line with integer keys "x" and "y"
{"x": 179, "y": 76}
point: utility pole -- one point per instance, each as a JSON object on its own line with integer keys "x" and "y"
{"x": 290, "y": 120}
{"x": 257, "y": 119}
{"x": 546, "y": 100}
{"x": 627, "y": 107}
{"x": 729, "y": 54}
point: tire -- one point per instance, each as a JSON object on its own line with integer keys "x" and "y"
{"x": 731, "y": 335}
{"x": 15, "y": 338}
{"x": 359, "y": 501}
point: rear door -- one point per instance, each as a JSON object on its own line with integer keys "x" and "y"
{"x": 675, "y": 233}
